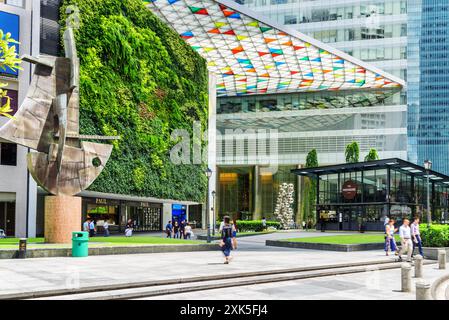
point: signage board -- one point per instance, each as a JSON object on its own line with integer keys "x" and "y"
{"x": 10, "y": 23}
{"x": 349, "y": 190}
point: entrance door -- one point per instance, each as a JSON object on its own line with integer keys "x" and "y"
{"x": 347, "y": 219}
{"x": 8, "y": 217}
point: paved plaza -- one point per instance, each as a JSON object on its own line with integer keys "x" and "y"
{"x": 61, "y": 273}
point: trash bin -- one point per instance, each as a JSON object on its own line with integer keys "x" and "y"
{"x": 80, "y": 241}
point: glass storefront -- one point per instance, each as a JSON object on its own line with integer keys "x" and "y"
{"x": 235, "y": 193}
{"x": 101, "y": 210}
{"x": 355, "y": 195}
{"x": 8, "y": 213}
{"x": 146, "y": 216}
{"x": 238, "y": 195}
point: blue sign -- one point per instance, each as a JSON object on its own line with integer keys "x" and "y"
{"x": 177, "y": 206}
{"x": 10, "y": 23}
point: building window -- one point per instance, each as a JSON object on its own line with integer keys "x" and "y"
{"x": 16, "y": 3}
{"x": 14, "y": 97}
{"x": 290, "y": 20}
{"x": 8, "y": 154}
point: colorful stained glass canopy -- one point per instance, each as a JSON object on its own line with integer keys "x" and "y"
{"x": 251, "y": 55}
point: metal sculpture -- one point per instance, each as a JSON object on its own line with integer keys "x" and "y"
{"x": 48, "y": 122}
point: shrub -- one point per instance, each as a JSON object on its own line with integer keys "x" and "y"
{"x": 435, "y": 236}
{"x": 255, "y": 225}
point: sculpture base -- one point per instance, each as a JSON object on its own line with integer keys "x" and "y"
{"x": 62, "y": 217}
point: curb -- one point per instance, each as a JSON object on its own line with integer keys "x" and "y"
{"x": 67, "y": 252}
{"x": 202, "y": 237}
{"x": 325, "y": 246}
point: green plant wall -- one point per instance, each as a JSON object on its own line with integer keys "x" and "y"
{"x": 139, "y": 80}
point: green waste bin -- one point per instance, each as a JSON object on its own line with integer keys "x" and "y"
{"x": 80, "y": 241}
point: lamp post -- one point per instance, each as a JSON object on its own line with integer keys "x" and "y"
{"x": 213, "y": 211}
{"x": 428, "y": 166}
{"x": 208, "y": 174}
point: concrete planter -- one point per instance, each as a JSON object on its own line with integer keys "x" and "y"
{"x": 432, "y": 253}
{"x": 326, "y": 246}
{"x": 203, "y": 237}
{"x": 113, "y": 250}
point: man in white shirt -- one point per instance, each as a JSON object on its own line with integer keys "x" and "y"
{"x": 406, "y": 240}
{"x": 106, "y": 228}
{"x": 416, "y": 236}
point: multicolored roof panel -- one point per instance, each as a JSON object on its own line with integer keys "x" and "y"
{"x": 251, "y": 55}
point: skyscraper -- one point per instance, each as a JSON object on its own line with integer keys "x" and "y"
{"x": 428, "y": 83}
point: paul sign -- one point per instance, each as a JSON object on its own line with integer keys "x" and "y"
{"x": 349, "y": 190}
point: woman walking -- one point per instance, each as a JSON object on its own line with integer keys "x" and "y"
{"x": 390, "y": 242}
{"x": 176, "y": 230}
{"x": 226, "y": 239}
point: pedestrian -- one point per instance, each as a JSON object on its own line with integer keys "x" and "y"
{"x": 390, "y": 242}
{"x": 226, "y": 239}
{"x": 169, "y": 228}
{"x": 129, "y": 228}
{"x": 416, "y": 235}
{"x": 92, "y": 228}
{"x": 303, "y": 225}
{"x": 360, "y": 223}
{"x": 386, "y": 220}
{"x": 264, "y": 223}
{"x": 323, "y": 224}
{"x": 234, "y": 235}
{"x": 406, "y": 240}
{"x": 188, "y": 231}
{"x": 86, "y": 225}
{"x": 182, "y": 229}
{"x": 176, "y": 230}
{"x": 106, "y": 227}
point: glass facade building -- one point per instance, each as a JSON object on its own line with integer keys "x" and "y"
{"x": 369, "y": 30}
{"x": 373, "y": 31}
{"x": 283, "y": 92}
{"x": 428, "y": 83}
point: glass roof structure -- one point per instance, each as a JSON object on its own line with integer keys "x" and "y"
{"x": 396, "y": 163}
{"x": 251, "y": 55}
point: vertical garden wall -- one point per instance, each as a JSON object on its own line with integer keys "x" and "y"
{"x": 139, "y": 80}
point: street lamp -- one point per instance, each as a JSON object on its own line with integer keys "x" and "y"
{"x": 428, "y": 166}
{"x": 213, "y": 211}
{"x": 208, "y": 175}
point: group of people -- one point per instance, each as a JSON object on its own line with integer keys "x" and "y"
{"x": 410, "y": 238}
{"x": 178, "y": 230}
{"x": 90, "y": 226}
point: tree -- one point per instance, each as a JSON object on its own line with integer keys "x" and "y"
{"x": 8, "y": 58}
{"x": 309, "y": 190}
{"x": 312, "y": 159}
{"x": 352, "y": 152}
{"x": 372, "y": 155}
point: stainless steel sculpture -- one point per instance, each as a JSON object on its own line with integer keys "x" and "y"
{"x": 48, "y": 122}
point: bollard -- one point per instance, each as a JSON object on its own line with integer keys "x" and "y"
{"x": 423, "y": 291}
{"x": 442, "y": 259}
{"x": 418, "y": 266}
{"x": 22, "y": 248}
{"x": 406, "y": 277}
